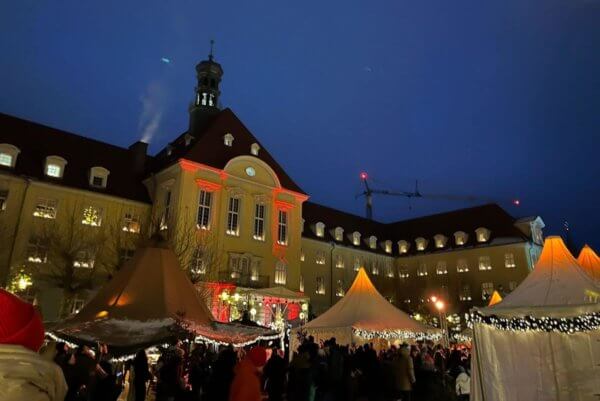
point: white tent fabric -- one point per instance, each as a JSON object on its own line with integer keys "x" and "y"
{"x": 280, "y": 292}
{"x": 363, "y": 308}
{"x": 590, "y": 261}
{"x": 537, "y": 365}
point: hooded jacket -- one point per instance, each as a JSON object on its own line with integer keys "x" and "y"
{"x": 26, "y": 376}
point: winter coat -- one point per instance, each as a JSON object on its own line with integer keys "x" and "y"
{"x": 463, "y": 384}
{"x": 403, "y": 372}
{"x": 26, "y": 376}
{"x": 246, "y": 383}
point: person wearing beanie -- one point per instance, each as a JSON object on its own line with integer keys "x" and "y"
{"x": 246, "y": 383}
{"x": 24, "y": 374}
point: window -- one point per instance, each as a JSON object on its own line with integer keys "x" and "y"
{"x": 3, "y": 200}
{"x": 460, "y": 238}
{"x": 339, "y": 234}
{"x": 280, "y": 273}
{"x": 509, "y": 261}
{"x": 131, "y": 223}
{"x": 374, "y": 268}
{"x": 37, "y": 250}
{"x": 403, "y": 247}
{"x": 440, "y": 241}
{"x": 204, "y": 204}
{"x": 320, "y": 229}
{"x": 339, "y": 261}
{"x": 389, "y": 269}
{"x": 486, "y": 290}
{"x": 235, "y": 266}
{"x": 126, "y": 254}
{"x": 233, "y": 212}
{"x": 282, "y": 236}
{"x": 92, "y": 216}
{"x": 259, "y": 222}
{"x": 403, "y": 272}
{"x": 422, "y": 270}
{"x": 55, "y": 166}
{"x": 465, "y": 293}
{"x": 84, "y": 259}
{"x": 320, "y": 286}
{"x": 301, "y": 284}
{"x": 254, "y": 148}
{"x": 483, "y": 234}
{"x": 8, "y": 155}
{"x": 356, "y": 238}
{"x": 485, "y": 263}
{"x": 301, "y": 255}
{"x": 164, "y": 223}
{"x": 45, "y": 208}
{"x": 357, "y": 263}
{"x": 320, "y": 258}
{"x": 512, "y": 285}
{"x": 421, "y": 243}
{"x": 228, "y": 139}
{"x": 441, "y": 268}
{"x": 77, "y": 305}
{"x": 462, "y": 266}
{"x": 198, "y": 264}
{"x": 388, "y": 246}
{"x": 339, "y": 289}
{"x": 99, "y": 177}
{"x": 373, "y": 242}
{"x": 255, "y": 270}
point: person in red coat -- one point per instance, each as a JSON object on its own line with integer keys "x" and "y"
{"x": 246, "y": 383}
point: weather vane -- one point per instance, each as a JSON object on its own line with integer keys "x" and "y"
{"x": 212, "y": 43}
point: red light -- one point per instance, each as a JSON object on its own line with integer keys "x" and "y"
{"x": 516, "y": 202}
{"x": 363, "y": 176}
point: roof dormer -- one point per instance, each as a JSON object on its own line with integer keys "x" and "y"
{"x": 320, "y": 229}
{"x": 55, "y": 166}
{"x": 460, "y": 238}
{"x": 8, "y": 155}
{"x": 339, "y": 234}
{"x": 421, "y": 243}
{"x": 388, "y": 246}
{"x": 228, "y": 139}
{"x": 356, "y": 238}
{"x": 440, "y": 240}
{"x": 373, "y": 242}
{"x": 254, "y": 149}
{"x": 482, "y": 234}
{"x": 99, "y": 177}
{"x": 403, "y": 247}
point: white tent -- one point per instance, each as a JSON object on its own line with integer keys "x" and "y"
{"x": 541, "y": 342}
{"x": 364, "y": 314}
{"x": 590, "y": 262}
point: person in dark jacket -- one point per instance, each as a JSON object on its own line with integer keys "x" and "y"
{"x": 141, "y": 375}
{"x": 274, "y": 373}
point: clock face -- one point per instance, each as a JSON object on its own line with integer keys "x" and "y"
{"x": 250, "y": 171}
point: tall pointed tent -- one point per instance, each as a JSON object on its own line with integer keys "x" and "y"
{"x": 590, "y": 262}
{"x": 364, "y": 313}
{"x": 495, "y": 298}
{"x": 148, "y": 302}
{"x": 540, "y": 342}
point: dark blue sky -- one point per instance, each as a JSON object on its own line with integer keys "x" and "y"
{"x": 499, "y": 99}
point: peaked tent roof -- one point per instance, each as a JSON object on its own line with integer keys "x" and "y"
{"x": 141, "y": 305}
{"x": 496, "y": 298}
{"x": 363, "y": 307}
{"x": 557, "y": 283}
{"x": 590, "y": 262}
{"x": 280, "y": 292}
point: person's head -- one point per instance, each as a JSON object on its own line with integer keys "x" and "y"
{"x": 20, "y": 323}
{"x": 141, "y": 356}
{"x": 257, "y": 356}
{"x": 61, "y": 348}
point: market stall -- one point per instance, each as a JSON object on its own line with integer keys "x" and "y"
{"x": 590, "y": 262}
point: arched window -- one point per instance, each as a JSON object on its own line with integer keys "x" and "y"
{"x": 228, "y": 139}
{"x": 421, "y": 243}
{"x": 254, "y": 148}
{"x": 388, "y": 246}
{"x": 356, "y": 238}
{"x": 339, "y": 234}
{"x": 440, "y": 240}
{"x": 373, "y": 242}
{"x": 8, "y": 155}
{"x": 99, "y": 177}
{"x": 483, "y": 234}
{"x": 403, "y": 247}
{"x": 460, "y": 238}
{"x": 320, "y": 229}
{"x": 55, "y": 166}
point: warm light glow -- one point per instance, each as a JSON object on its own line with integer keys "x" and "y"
{"x": 236, "y": 297}
{"x": 304, "y": 307}
{"x": 433, "y": 299}
{"x": 439, "y": 305}
{"x": 253, "y": 312}
{"x": 102, "y": 313}
{"x": 23, "y": 283}
{"x": 363, "y": 175}
{"x": 418, "y": 317}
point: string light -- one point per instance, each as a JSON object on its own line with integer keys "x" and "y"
{"x": 395, "y": 334}
{"x": 566, "y": 325}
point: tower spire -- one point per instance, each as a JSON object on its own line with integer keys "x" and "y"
{"x": 210, "y": 55}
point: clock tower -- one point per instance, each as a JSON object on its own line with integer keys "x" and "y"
{"x": 206, "y": 99}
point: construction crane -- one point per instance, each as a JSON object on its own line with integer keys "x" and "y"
{"x": 369, "y": 191}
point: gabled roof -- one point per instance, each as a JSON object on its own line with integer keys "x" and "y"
{"x": 37, "y": 141}
{"x": 207, "y": 147}
{"x": 590, "y": 262}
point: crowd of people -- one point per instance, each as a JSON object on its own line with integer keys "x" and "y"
{"x": 318, "y": 371}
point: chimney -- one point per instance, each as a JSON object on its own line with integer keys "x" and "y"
{"x": 138, "y": 157}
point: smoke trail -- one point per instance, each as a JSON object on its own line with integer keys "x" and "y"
{"x": 153, "y": 104}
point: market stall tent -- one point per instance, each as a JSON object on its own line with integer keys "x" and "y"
{"x": 363, "y": 313}
{"x": 495, "y": 298}
{"x": 149, "y": 301}
{"x": 541, "y": 341}
{"x": 590, "y": 262}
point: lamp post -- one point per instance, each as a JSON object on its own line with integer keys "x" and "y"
{"x": 441, "y": 306}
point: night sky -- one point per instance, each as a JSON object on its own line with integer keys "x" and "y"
{"x": 498, "y": 99}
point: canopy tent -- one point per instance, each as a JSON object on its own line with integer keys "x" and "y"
{"x": 280, "y": 292}
{"x": 495, "y": 298}
{"x": 540, "y": 342}
{"x": 363, "y": 313}
{"x": 150, "y": 300}
{"x": 590, "y": 261}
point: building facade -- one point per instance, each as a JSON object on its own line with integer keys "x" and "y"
{"x": 73, "y": 210}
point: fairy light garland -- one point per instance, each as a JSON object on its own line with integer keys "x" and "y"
{"x": 568, "y": 325}
{"x": 395, "y": 334}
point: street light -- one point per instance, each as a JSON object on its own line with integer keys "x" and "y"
{"x": 440, "y": 306}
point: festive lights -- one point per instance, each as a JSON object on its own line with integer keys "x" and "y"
{"x": 395, "y": 334}
{"x": 568, "y": 325}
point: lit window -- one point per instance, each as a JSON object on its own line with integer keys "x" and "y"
{"x": 320, "y": 258}
{"x": 389, "y": 269}
{"x": 403, "y": 272}
{"x": 254, "y": 148}
{"x": 3, "y": 200}
{"x": 228, "y": 139}
{"x": 131, "y": 223}
{"x": 440, "y": 241}
{"x": 280, "y": 273}
{"x": 339, "y": 261}
{"x": 166, "y": 216}
{"x": 422, "y": 270}
{"x": 388, "y": 246}
{"x": 92, "y": 216}
{"x": 55, "y": 166}
{"x": 357, "y": 263}
{"x": 320, "y": 286}
{"x": 421, "y": 243}
{"x": 53, "y": 170}
{"x": 77, "y": 305}
{"x": 259, "y": 222}
{"x": 37, "y": 250}
{"x": 441, "y": 268}
{"x": 255, "y": 270}
{"x": 483, "y": 234}
{"x": 465, "y": 293}
{"x": 238, "y": 265}
{"x": 509, "y": 261}
{"x": 301, "y": 255}
{"x": 373, "y": 242}
{"x": 356, "y": 238}
{"x": 339, "y": 234}
{"x": 198, "y": 265}
{"x": 99, "y": 177}
{"x": 486, "y": 290}
{"x": 403, "y": 246}
{"x": 301, "y": 284}
{"x": 233, "y": 216}
{"x": 485, "y": 263}
{"x": 460, "y": 238}
{"x": 8, "y": 155}
{"x": 462, "y": 266}
{"x": 512, "y": 285}
{"x": 375, "y": 268}
{"x": 320, "y": 229}
{"x": 126, "y": 254}
{"x": 46, "y": 208}
{"x": 84, "y": 259}
{"x": 204, "y": 204}
{"x": 6, "y": 160}
{"x": 339, "y": 290}
{"x": 282, "y": 236}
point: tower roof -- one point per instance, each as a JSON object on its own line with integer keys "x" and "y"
{"x": 590, "y": 262}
